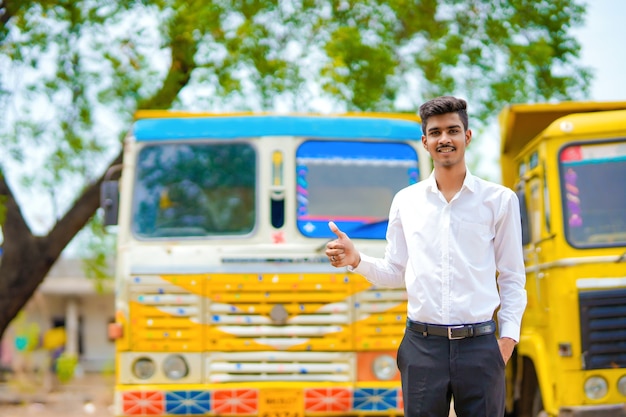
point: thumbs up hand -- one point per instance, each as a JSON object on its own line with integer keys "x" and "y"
{"x": 341, "y": 251}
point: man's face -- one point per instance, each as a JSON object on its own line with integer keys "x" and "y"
{"x": 445, "y": 139}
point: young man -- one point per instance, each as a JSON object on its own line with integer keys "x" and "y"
{"x": 449, "y": 236}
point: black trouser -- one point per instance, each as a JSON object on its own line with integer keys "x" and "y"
{"x": 435, "y": 369}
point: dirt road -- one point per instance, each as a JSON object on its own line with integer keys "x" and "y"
{"x": 88, "y": 396}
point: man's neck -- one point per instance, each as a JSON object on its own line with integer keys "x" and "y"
{"x": 450, "y": 179}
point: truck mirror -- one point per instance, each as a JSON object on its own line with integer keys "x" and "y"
{"x": 109, "y": 201}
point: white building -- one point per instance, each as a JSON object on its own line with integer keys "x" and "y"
{"x": 67, "y": 298}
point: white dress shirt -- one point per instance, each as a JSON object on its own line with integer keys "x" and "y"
{"x": 447, "y": 254}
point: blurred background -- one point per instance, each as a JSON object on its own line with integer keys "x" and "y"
{"x": 73, "y": 73}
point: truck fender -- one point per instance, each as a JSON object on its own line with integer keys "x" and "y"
{"x": 532, "y": 347}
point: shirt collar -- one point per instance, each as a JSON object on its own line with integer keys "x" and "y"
{"x": 469, "y": 182}
{"x": 431, "y": 184}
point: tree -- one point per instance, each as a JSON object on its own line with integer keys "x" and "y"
{"x": 74, "y": 72}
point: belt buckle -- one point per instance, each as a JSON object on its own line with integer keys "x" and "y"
{"x": 450, "y": 337}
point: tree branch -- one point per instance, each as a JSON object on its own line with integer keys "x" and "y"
{"x": 76, "y": 217}
{"x": 184, "y": 49}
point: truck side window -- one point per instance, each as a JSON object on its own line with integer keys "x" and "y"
{"x": 592, "y": 186}
{"x": 523, "y": 207}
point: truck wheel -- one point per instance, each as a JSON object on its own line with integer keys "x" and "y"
{"x": 537, "y": 408}
{"x": 530, "y": 403}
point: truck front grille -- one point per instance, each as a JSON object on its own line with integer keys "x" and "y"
{"x": 603, "y": 328}
{"x": 164, "y": 316}
{"x": 280, "y": 366}
{"x": 279, "y": 312}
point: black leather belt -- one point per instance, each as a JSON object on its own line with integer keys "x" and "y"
{"x": 460, "y": 331}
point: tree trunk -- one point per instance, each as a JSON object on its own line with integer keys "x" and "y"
{"x": 27, "y": 259}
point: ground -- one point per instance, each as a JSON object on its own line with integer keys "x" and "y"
{"x": 89, "y": 395}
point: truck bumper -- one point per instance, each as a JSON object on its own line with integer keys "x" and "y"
{"x": 614, "y": 410}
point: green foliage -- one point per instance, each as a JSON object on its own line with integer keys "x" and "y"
{"x": 74, "y": 72}
{"x": 360, "y": 68}
{"x": 97, "y": 253}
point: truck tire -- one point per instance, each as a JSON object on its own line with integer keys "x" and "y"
{"x": 537, "y": 405}
{"x": 530, "y": 403}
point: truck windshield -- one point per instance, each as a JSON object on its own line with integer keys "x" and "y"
{"x": 195, "y": 190}
{"x": 351, "y": 183}
{"x": 593, "y": 182}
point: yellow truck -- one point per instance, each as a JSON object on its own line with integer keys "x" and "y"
{"x": 567, "y": 163}
{"x": 225, "y": 302}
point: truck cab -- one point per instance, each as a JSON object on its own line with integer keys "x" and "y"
{"x": 567, "y": 164}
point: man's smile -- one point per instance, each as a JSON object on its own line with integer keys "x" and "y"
{"x": 445, "y": 149}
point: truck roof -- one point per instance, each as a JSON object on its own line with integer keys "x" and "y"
{"x": 520, "y": 123}
{"x": 171, "y": 125}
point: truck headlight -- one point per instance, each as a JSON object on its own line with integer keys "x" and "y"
{"x": 175, "y": 367}
{"x": 596, "y": 387}
{"x": 384, "y": 367}
{"x": 621, "y": 385}
{"x": 144, "y": 368}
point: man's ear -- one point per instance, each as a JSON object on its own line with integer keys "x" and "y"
{"x": 468, "y": 137}
{"x": 424, "y": 142}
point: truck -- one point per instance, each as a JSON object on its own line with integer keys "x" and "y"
{"x": 567, "y": 163}
{"x": 225, "y": 302}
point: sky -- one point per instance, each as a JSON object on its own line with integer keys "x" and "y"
{"x": 602, "y": 40}
{"x": 602, "y": 49}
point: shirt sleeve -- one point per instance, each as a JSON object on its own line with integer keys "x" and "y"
{"x": 387, "y": 271}
{"x": 511, "y": 269}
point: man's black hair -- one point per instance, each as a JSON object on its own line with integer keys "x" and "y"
{"x": 443, "y": 105}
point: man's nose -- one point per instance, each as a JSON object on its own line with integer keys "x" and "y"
{"x": 445, "y": 138}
